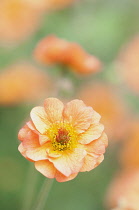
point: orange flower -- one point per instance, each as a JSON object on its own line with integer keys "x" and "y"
{"x": 52, "y": 50}
{"x": 129, "y": 65}
{"x": 106, "y": 101}
{"x": 129, "y": 152}
{"x": 124, "y": 191}
{"x": 45, "y": 5}
{"x": 18, "y": 19}
{"x": 22, "y": 82}
{"x": 63, "y": 140}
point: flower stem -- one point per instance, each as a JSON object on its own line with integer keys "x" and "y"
{"x": 43, "y": 195}
{"x": 30, "y": 187}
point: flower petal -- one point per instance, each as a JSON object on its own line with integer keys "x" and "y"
{"x": 23, "y": 132}
{"x": 91, "y": 161}
{"x": 99, "y": 160}
{"x": 96, "y": 117}
{"x": 40, "y": 120}
{"x": 77, "y": 113}
{"x": 98, "y": 146}
{"x": 43, "y": 139}
{"x": 61, "y": 178}
{"x": 37, "y": 153}
{"x": 54, "y": 109}
{"x": 93, "y": 132}
{"x": 22, "y": 150}
{"x": 46, "y": 168}
{"x": 70, "y": 162}
{"x": 29, "y": 139}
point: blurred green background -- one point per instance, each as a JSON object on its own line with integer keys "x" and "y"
{"x": 102, "y": 27}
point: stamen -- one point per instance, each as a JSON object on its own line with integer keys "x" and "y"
{"x": 63, "y": 137}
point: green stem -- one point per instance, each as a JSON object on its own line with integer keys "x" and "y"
{"x": 30, "y": 187}
{"x": 43, "y": 195}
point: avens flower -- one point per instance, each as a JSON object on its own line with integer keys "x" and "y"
{"x": 124, "y": 191}
{"x": 53, "y": 50}
{"x": 128, "y": 65}
{"x": 129, "y": 155}
{"x": 18, "y": 20}
{"x": 63, "y": 140}
{"x": 22, "y": 82}
{"x": 46, "y": 5}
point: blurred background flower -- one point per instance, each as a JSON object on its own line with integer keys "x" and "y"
{"x": 129, "y": 65}
{"x": 22, "y": 83}
{"x": 124, "y": 190}
{"x": 18, "y": 19}
{"x": 53, "y": 50}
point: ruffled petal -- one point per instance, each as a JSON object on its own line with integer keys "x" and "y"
{"x": 23, "y": 132}
{"x": 46, "y": 168}
{"x": 31, "y": 125}
{"x": 93, "y": 132}
{"x": 61, "y": 178}
{"x": 37, "y": 153}
{"x": 28, "y": 137}
{"x": 89, "y": 163}
{"x": 99, "y": 160}
{"x": 31, "y": 141}
{"x": 78, "y": 114}
{"x": 22, "y": 150}
{"x": 96, "y": 117}
{"x": 98, "y": 146}
{"x": 43, "y": 139}
{"x": 70, "y": 162}
{"x": 40, "y": 120}
{"x": 54, "y": 109}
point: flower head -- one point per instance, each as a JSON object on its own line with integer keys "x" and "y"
{"x": 128, "y": 64}
{"x": 45, "y": 5}
{"x": 129, "y": 152}
{"x": 63, "y": 140}
{"x": 124, "y": 191}
{"x": 52, "y": 50}
{"x": 14, "y": 16}
{"x": 22, "y": 82}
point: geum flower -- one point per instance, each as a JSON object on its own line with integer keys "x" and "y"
{"x": 53, "y": 50}
{"x": 63, "y": 141}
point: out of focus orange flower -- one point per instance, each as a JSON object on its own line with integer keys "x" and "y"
{"x": 52, "y": 50}
{"x": 129, "y": 65}
{"x": 130, "y": 150}
{"x": 18, "y": 19}
{"x": 124, "y": 191}
{"x": 22, "y": 82}
{"x": 63, "y": 140}
{"x": 105, "y": 100}
{"x": 46, "y": 5}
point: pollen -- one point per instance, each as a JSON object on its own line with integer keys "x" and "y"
{"x": 63, "y": 136}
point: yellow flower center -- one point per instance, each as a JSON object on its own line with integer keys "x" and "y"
{"x": 63, "y": 136}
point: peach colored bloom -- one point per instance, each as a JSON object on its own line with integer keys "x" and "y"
{"x": 46, "y": 5}
{"x": 129, "y": 65}
{"x": 22, "y": 82}
{"x": 18, "y": 19}
{"x": 63, "y": 140}
{"x": 105, "y": 100}
{"x": 124, "y": 191}
{"x": 130, "y": 150}
{"x": 52, "y": 50}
